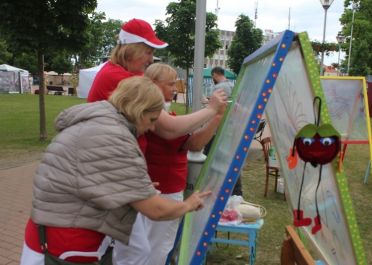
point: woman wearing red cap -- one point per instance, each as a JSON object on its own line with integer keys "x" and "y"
{"x": 132, "y": 55}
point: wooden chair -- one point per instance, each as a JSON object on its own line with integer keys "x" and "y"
{"x": 270, "y": 169}
{"x": 260, "y": 130}
{"x": 181, "y": 89}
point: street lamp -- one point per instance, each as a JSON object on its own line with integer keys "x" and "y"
{"x": 351, "y": 36}
{"x": 326, "y": 4}
{"x": 340, "y": 39}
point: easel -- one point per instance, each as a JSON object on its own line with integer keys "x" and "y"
{"x": 342, "y": 156}
{"x": 294, "y": 251}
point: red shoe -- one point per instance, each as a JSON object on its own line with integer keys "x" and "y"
{"x": 317, "y": 225}
{"x": 299, "y": 219}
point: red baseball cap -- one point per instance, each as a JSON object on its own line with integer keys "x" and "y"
{"x": 138, "y": 30}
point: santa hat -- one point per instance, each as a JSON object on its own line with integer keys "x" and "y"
{"x": 137, "y": 30}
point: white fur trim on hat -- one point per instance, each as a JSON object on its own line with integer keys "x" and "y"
{"x": 127, "y": 38}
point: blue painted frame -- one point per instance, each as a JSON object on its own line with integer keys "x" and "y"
{"x": 282, "y": 43}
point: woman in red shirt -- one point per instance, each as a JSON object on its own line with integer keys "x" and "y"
{"x": 151, "y": 241}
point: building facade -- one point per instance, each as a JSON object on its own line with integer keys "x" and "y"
{"x": 220, "y": 57}
{"x": 226, "y": 37}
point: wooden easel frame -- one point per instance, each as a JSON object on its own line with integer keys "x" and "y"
{"x": 294, "y": 251}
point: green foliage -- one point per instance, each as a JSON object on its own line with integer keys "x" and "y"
{"x": 59, "y": 62}
{"x": 179, "y": 31}
{"x": 247, "y": 39}
{"x": 45, "y": 25}
{"x": 5, "y": 55}
{"x": 101, "y": 39}
{"x": 110, "y": 35}
{"x": 327, "y": 47}
{"x": 361, "y": 52}
{"x": 26, "y": 60}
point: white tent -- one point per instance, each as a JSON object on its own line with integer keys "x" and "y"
{"x": 9, "y": 68}
{"x": 13, "y": 79}
{"x": 86, "y": 78}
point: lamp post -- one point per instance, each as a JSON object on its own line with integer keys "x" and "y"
{"x": 340, "y": 39}
{"x": 326, "y": 4}
{"x": 351, "y": 37}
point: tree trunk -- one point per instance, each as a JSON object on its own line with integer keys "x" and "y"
{"x": 43, "y": 131}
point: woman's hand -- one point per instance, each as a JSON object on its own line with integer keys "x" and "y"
{"x": 195, "y": 201}
{"x": 218, "y": 100}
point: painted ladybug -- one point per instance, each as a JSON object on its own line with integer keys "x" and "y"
{"x": 317, "y": 145}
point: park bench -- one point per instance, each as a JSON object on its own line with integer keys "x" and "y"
{"x": 56, "y": 90}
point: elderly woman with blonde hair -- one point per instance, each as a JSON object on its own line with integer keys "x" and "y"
{"x": 92, "y": 179}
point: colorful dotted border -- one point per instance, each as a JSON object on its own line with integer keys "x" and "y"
{"x": 340, "y": 176}
{"x": 241, "y": 153}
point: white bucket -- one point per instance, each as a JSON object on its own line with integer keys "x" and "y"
{"x": 280, "y": 185}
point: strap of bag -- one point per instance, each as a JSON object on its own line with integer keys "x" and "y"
{"x": 106, "y": 259}
{"x": 42, "y": 238}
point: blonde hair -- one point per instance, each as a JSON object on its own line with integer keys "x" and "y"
{"x": 136, "y": 96}
{"x": 160, "y": 72}
{"x": 124, "y": 53}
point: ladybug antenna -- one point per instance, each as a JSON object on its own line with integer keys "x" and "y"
{"x": 293, "y": 148}
{"x": 317, "y": 117}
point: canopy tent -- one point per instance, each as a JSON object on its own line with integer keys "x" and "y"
{"x": 207, "y": 73}
{"x": 86, "y": 78}
{"x": 13, "y": 79}
{"x": 9, "y": 68}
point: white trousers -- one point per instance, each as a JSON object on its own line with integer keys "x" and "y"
{"x": 30, "y": 257}
{"x": 150, "y": 241}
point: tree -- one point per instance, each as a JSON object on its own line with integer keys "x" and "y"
{"x": 179, "y": 31}
{"x": 5, "y": 55}
{"x": 42, "y": 26}
{"x": 247, "y": 39}
{"x": 110, "y": 36}
{"x": 361, "y": 53}
{"x": 327, "y": 47}
{"x": 59, "y": 62}
{"x": 101, "y": 39}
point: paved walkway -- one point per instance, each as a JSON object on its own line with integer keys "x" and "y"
{"x": 15, "y": 199}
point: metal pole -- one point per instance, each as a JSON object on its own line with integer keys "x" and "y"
{"x": 201, "y": 6}
{"x": 339, "y": 52}
{"x": 324, "y": 32}
{"x": 351, "y": 39}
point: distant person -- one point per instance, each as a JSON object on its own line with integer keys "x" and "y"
{"x": 221, "y": 82}
{"x": 151, "y": 241}
{"x": 92, "y": 179}
{"x": 131, "y": 56}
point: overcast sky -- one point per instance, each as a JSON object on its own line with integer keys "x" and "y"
{"x": 306, "y": 15}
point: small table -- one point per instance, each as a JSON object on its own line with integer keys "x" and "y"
{"x": 249, "y": 229}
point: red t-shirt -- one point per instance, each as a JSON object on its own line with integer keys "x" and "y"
{"x": 106, "y": 80}
{"x": 60, "y": 240}
{"x": 167, "y": 162}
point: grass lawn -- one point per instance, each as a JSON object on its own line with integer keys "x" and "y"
{"x": 19, "y": 120}
{"x": 19, "y": 137}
